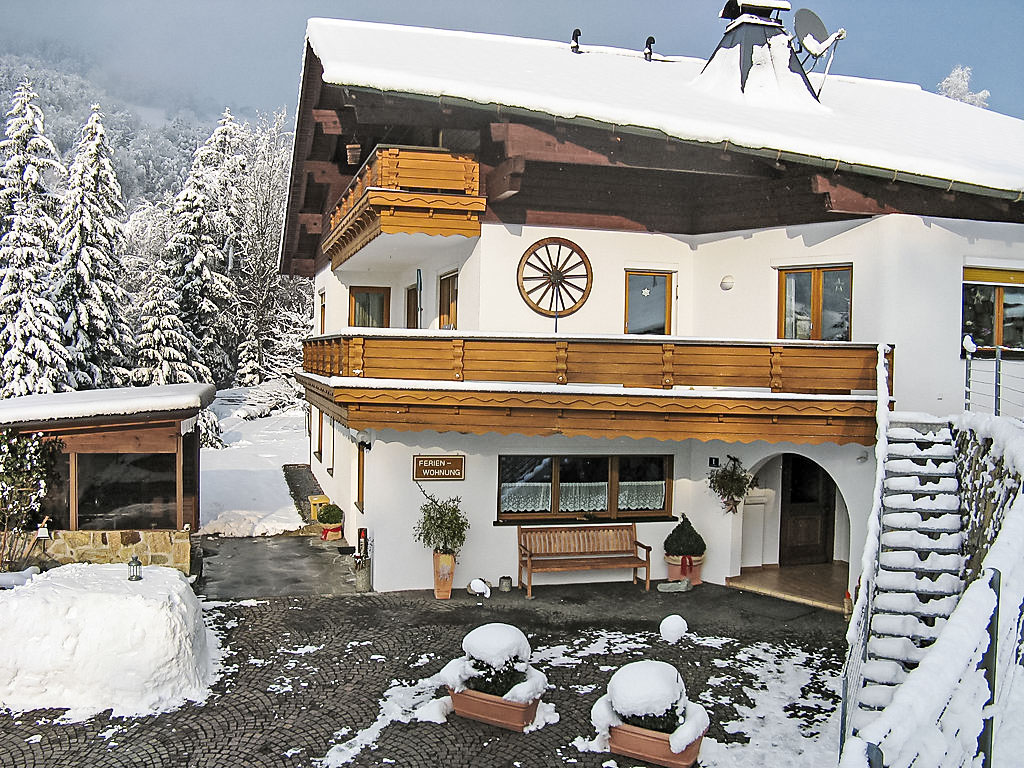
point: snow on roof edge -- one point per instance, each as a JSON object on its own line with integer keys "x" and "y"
{"x": 96, "y": 403}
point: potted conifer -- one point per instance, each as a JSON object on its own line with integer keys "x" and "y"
{"x": 442, "y": 527}
{"x": 684, "y": 552}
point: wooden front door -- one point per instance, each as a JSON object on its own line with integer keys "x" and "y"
{"x": 807, "y": 515}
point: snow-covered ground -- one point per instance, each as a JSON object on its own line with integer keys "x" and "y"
{"x": 242, "y": 487}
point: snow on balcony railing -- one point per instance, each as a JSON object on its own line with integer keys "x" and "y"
{"x": 937, "y": 717}
{"x": 993, "y": 379}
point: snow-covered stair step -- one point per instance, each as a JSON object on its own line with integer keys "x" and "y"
{"x": 908, "y": 581}
{"x": 945, "y": 543}
{"x": 883, "y": 672}
{"x": 913, "y": 450}
{"x": 909, "y": 604}
{"x": 911, "y": 560}
{"x": 862, "y": 718}
{"x": 920, "y": 468}
{"x": 919, "y": 434}
{"x": 942, "y": 502}
{"x": 876, "y": 696}
{"x": 950, "y": 522}
{"x": 895, "y": 649}
{"x": 921, "y": 484}
{"x": 905, "y": 626}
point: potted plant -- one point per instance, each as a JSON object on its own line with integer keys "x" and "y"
{"x": 442, "y": 527}
{"x": 647, "y": 715}
{"x": 494, "y": 682}
{"x": 731, "y": 483}
{"x": 684, "y": 552}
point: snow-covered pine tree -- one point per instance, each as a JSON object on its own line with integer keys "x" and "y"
{"x": 34, "y": 358}
{"x": 27, "y": 158}
{"x": 248, "y": 373}
{"x": 957, "y": 86}
{"x": 164, "y": 350}
{"x": 223, "y": 159}
{"x": 86, "y": 292}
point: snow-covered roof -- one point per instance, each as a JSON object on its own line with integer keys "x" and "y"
{"x": 93, "y": 403}
{"x": 876, "y": 126}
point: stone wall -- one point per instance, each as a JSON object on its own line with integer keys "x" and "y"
{"x": 170, "y": 548}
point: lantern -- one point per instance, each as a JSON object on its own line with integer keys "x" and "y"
{"x": 135, "y": 569}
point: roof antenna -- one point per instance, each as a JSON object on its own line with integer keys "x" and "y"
{"x": 813, "y": 39}
{"x": 574, "y": 46}
{"x": 649, "y": 48}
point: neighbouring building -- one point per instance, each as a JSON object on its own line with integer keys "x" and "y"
{"x": 587, "y": 277}
{"x": 127, "y": 482}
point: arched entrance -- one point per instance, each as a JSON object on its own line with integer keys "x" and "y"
{"x": 796, "y": 533}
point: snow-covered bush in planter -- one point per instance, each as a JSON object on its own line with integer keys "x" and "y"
{"x": 494, "y": 682}
{"x": 646, "y": 714}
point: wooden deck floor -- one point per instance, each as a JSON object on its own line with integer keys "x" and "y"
{"x": 822, "y": 586}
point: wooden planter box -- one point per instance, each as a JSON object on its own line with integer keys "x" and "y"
{"x": 651, "y": 746}
{"x": 494, "y": 709}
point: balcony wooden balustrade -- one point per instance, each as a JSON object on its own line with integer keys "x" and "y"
{"x": 406, "y": 189}
{"x": 666, "y": 389}
{"x": 775, "y": 366}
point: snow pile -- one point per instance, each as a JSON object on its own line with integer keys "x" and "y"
{"x": 646, "y": 688}
{"x": 17, "y": 578}
{"x": 120, "y": 401}
{"x": 244, "y": 492}
{"x": 255, "y": 402}
{"x": 673, "y": 628}
{"x": 495, "y": 645}
{"x": 84, "y": 638}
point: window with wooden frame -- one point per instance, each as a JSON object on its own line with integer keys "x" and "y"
{"x": 330, "y": 462}
{"x": 323, "y": 312}
{"x": 319, "y": 452}
{"x": 369, "y": 306}
{"x": 582, "y": 488}
{"x": 993, "y": 307}
{"x": 412, "y": 307}
{"x": 447, "y": 301}
{"x": 815, "y": 303}
{"x": 648, "y": 302}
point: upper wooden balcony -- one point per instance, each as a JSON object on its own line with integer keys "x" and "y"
{"x": 406, "y": 189}
{"x": 667, "y": 388}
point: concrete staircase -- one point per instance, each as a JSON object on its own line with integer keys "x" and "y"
{"x": 917, "y": 582}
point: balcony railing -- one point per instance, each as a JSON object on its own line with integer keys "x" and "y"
{"x": 406, "y": 189}
{"x": 778, "y": 366}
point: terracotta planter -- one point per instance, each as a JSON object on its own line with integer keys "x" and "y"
{"x": 444, "y": 572}
{"x": 651, "y": 746}
{"x": 684, "y": 567}
{"x": 493, "y": 709}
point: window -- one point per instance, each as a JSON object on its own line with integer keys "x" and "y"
{"x": 412, "y": 307}
{"x": 447, "y": 299}
{"x": 369, "y": 307}
{"x": 815, "y": 303}
{"x": 648, "y": 302}
{"x": 127, "y": 491}
{"x": 993, "y": 307}
{"x": 534, "y": 488}
{"x": 323, "y": 312}
{"x": 319, "y": 452}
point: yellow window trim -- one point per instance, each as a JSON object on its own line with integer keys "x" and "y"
{"x": 990, "y": 275}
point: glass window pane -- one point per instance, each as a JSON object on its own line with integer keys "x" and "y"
{"x": 835, "y": 305}
{"x": 524, "y": 483}
{"x": 368, "y": 309}
{"x": 647, "y": 301}
{"x": 583, "y": 484}
{"x": 127, "y": 490}
{"x": 641, "y": 482}
{"x": 57, "y": 501}
{"x": 797, "y": 318}
{"x": 979, "y": 313}
{"x": 1013, "y": 317}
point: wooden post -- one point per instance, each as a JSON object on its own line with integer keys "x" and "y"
{"x": 667, "y": 366}
{"x": 775, "y": 370}
{"x": 561, "y": 362}
{"x": 179, "y": 471}
{"x": 458, "y": 358}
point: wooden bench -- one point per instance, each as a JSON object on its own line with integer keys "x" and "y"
{"x": 554, "y": 548}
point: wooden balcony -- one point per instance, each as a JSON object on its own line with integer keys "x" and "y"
{"x": 667, "y": 388}
{"x": 406, "y": 189}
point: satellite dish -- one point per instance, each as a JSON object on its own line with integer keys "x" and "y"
{"x": 806, "y": 23}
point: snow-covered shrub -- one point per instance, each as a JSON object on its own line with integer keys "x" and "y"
{"x": 497, "y": 661}
{"x": 649, "y": 694}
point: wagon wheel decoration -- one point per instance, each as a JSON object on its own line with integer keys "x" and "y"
{"x": 555, "y": 277}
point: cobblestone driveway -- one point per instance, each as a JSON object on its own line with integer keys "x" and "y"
{"x": 279, "y": 706}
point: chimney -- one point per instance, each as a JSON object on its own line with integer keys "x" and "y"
{"x": 755, "y": 60}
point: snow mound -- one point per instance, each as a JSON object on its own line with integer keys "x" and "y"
{"x": 673, "y": 628}
{"x": 496, "y": 644}
{"x": 17, "y": 578}
{"x": 645, "y": 688}
{"x": 84, "y": 638}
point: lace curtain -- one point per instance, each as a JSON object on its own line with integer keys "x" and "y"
{"x": 644, "y": 494}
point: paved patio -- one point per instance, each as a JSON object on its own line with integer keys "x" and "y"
{"x": 277, "y": 707}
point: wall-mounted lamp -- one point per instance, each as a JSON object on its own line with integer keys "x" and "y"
{"x": 364, "y": 439}
{"x": 863, "y": 457}
{"x": 727, "y": 283}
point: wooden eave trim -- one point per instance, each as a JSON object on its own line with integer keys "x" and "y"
{"x": 112, "y": 422}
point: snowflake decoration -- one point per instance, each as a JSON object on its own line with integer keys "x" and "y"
{"x": 646, "y": 292}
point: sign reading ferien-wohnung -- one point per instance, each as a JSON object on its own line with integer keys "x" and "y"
{"x": 438, "y": 467}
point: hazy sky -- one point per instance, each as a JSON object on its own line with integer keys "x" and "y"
{"x": 246, "y": 54}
